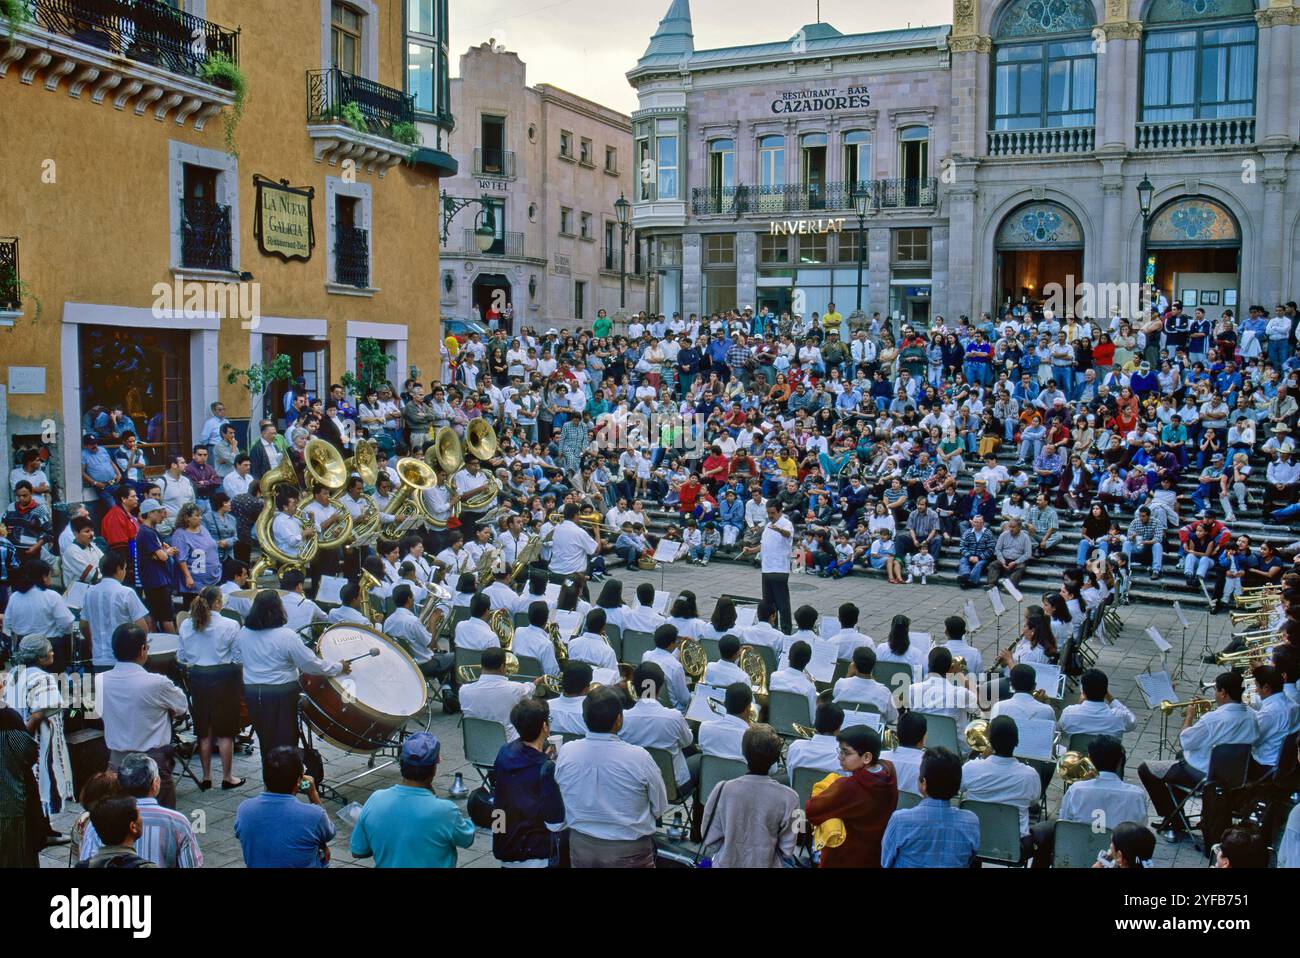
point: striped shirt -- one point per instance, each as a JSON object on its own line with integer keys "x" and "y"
{"x": 167, "y": 839}
{"x": 980, "y": 545}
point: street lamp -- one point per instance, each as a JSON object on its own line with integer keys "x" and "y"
{"x": 861, "y": 203}
{"x": 622, "y": 211}
{"x": 1145, "y": 193}
{"x": 485, "y": 234}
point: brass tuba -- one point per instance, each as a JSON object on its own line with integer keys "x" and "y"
{"x": 1075, "y": 767}
{"x": 405, "y": 506}
{"x": 977, "y": 737}
{"x": 272, "y": 558}
{"x": 324, "y": 465}
{"x": 445, "y": 453}
{"x": 480, "y": 440}
{"x": 364, "y": 463}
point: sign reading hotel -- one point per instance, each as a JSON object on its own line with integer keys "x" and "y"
{"x": 805, "y": 227}
{"x": 819, "y": 101}
{"x": 282, "y": 222}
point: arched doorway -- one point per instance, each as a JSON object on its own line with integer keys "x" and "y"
{"x": 1194, "y": 253}
{"x": 492, "y": 293}
{"x": 1037, "y": 245}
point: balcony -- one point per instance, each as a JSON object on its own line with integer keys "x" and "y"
{"x": 205, "y": 236}
{"x": 911, "y": 193}
{"x": 1193, "y": 134}
{"x": 489, "y": 162}
{"x": 139, "y": 52}
{"x": 1046, "y": 142}
{"x": 352, "y": 256}
{"x": 508, "y": 244}
{"x": 352, "y": 118}
{"x": 11, "y": 296}
{"x": 740, "y": 201}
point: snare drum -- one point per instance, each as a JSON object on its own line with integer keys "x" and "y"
{"x": 364, "y": 710}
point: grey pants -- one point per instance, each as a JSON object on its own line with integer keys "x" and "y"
{"x": 586, "y": 851}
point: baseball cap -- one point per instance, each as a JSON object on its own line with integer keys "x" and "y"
{"x": 421, "y": 750}
{"x": 151, "y": 505}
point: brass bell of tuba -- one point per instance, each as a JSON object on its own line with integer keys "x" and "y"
{"x": 977, "y": 737}
{"x": 1075, "y": 767}
{"x": 272, "y": 558}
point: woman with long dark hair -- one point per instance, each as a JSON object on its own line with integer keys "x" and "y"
{"x": 36, "y": 609}
{"x": 723, "y": 620}
{"x": 1036, "y": 643}
{"x": 611, "y": 600}
{"x": 1059, "y": 618}
{"x": 207, "y": 649}
{"x": 685, "y": 615}
{"x": 899, "y": 647}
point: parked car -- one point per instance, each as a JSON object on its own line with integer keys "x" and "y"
{"x": 461, "y": 328}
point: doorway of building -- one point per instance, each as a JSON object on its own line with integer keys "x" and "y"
{"x": 310, "y": 359}
{"x": 492, "y": 293}
{"x": 1039, "y": 249}
{"x": 1194, "y": 253}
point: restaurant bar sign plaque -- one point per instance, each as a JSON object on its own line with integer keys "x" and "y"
{"x": 282, "y": 224}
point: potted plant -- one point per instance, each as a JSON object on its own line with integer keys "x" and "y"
{"x": 405, "y": 132}
{"x": 257, "y": 379}
{"x": 220, "y": 70}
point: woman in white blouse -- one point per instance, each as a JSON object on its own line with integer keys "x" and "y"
{"x": 883, "y": 519}
{"x": 1036, "y": 644}
{"x": 899, "y": 647}
{"x": 1060, "y": 617}
{"x": 207, "y": 649}
{"x": 36, "y": 609}
{"x": 685, "y": 616}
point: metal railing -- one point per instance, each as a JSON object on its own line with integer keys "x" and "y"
{"x": 10, "y": 289}
{"x": 1187, "y": 134}
{"x": 806, "y": 198}
{"x": 909, "y": 193}
{"x": 1077, "y": 139}
{"x": 329, "y": 91}
{"x": 490, "y": 162}
{"x": 146, "y": 31}
{"x": 206, "y": 239}
{"x": 509, "y": 244}
{"x": 352, "y": 256}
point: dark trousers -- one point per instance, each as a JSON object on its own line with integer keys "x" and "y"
{"x": 274, "y": 711}
{"x": 588, "y": 852}
{"x": 1156, "y": 775}
{"x": 325, "y": 563}
{"x": 776, "y": 589}
{"x": 997, "y": 570}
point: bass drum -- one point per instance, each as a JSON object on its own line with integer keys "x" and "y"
{"x": 365, "y": 710}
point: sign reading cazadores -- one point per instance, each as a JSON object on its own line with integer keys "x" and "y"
{"x": 282, "y": 223}
{"x": 817, "y": 101}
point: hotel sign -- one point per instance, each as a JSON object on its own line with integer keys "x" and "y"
{"x": 805, "y": 227}
{"x": 819, "y": 101}
{"x": 282, "y": 223}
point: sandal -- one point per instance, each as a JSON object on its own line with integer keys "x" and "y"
{"x": 235, "y": 784}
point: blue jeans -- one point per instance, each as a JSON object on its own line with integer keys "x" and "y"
{"x": 1029, "y": 449}
{"x": 1085, "y": 548}
{"x": 1131, "y": 549}
{"x": 1278, "y": 351}
{"x": 974, "y": 574}
{"x": 1064, "y": 376}
{"x": 702, "y": 552}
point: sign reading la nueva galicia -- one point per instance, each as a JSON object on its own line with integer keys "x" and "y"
{"x": 817, "y": 101}
{"x": 282, "y": 224}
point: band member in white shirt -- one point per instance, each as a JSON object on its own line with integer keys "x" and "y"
{"x": 533, "y": 641}
{"x": 235, "y": 577}
{"x": 791, "y": 676}
{"x": 286, "y": 531}
{"x": 1106, "y": 800}
{"x": 512, "y": 541}
{"x": 403, "y": 626}
{"x": 848, "y": 638}
{"x": 499, "y": 592}
{"x": 474, "y": 633}
{"x": 725, "y": 671}
{"x": 1003, "y": 779}
{"x": 468, "y": 482}
{"x": 939, "y": 694}
{"x": 1022, "y": 706}
{"x": 493, "y": 696}
{"x": 774, "y": 552}
{"x": 591, "y": 646}
{"x": 349, "y": 607}
{"x": 81, "y": 557}
{"x": 1098, "y": 712}
{"x": 613, "y": 791}
{"x": 1229, "y": 723}
{"x": 664, "y": 655}
{"x": 325, "y": 515}
{"x": 36, "y": 609}
{"x": 642, "y": 617}
{"x": 300, "y": 610}
{"x": 911, "y": 749}
{"x": 722, "y": 736}
{"x": 651, "y": 724}
{"x": 1278, "y": 717}
{"x": 455, "y": 557}
{"x": 571, "y": 546}
{"x": 954, "y": 629}
{"x": 822, "y": 751}
{"x": 859, "y": 686}
{"x": 438, "y": 503}
{"x": 764, "y": 631}
{"x": 107, "y": 605}
{"x": 566, "y": 711}
{"x": 413, "y": 552}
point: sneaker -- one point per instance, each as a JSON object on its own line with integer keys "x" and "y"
{"x": 922, "y": 580}
{"x": 908, "y": 580}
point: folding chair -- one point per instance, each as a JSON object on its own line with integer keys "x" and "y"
{"x": 784, "y": 709}
{"x": 805, "y": 778}
{"x": 614, "y": 636}
{"x": 1226, "y": 783}
{"x": 999, "y": 832}
{"x": 908, "y": 799}
{"x": 469, "y": 657}
{"x": 861, "y": 707}
{"x": 1274, "y": 790}
{"x": 942, "y": 730}
{"x": 768, "y": 655}
{"x": 711, "y": 649}
{"x": 665, "y": 762}
{"x": 635, "y": 645}
{"x": 887, "y": 674}
{"x": 1076, "y": 844}
{"x": 482, "y": 740}
{"x": 714, "y": 770}
{"x": 458, "y": 615}
{"x": 520, "y": 619}
{"x": 233, "y": 615}
{"x": 529, "y": 669}
{"x": 1229, "y": 766}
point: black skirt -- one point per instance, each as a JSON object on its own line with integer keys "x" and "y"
{"x": 216, "y": 690}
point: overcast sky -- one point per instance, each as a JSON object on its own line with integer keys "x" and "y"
{"x": 586, "y": 46}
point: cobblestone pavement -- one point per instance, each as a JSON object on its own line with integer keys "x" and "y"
{"x": 928, "y": 605}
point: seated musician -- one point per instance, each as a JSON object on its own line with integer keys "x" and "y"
{"x": 403, "y": 626}
{"x": 1230, "y": 723}
{"x": 455, "y": 557}
{"x": 536, "y": 591}
{"x": 911, "y": 750}
{"x": 408, "y": 575}
{"x": 651, "y": 724}
{"x": 1098, "y": 712}
{"x": 1003, "y": 779}
{"x": 533, "y": 641}
{"x": 664, "y": 655}
{"x": 939, "y": 694}
{"x": 1022, "y": 705}
{"x": 591, "y": 646}
{"x": 822, "y": 751}
{"x": 287, "y": 532}
{"x": 494, "y": 695}
{"x": 792, "y": 677}
{"x": 349, "y": 608}
{"x": 721, "y": 737}
{"x": 725, "y": 671}
{"x": 848, "y": 638}
{"x": 642, "y": 617}
{"x": 1278, "y": 717}
{"x": 413, "y": 552}
{"x": 859, "y": 686}
{"x": 764, "y": 631}
{"x": 805, "y": 627}
{"x": 236, "y": 577}
{"x": 499, "y": 592}
{"x": 954, "y": 640}
{"x": 1105, "y": 800}
{"x": 566, "y": 711}
{"x": 301, "y": 610}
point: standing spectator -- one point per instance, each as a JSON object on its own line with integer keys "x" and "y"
{"x": 526, "y": 793}
{"x": 22, "y": 826}
{"x": 154, "y": 567}
{"x": 166, "y": 837}
{"x": 198, "y": 559}
{"x": 99, "y": 473}
{"x": 274, "y": 829}
{"x": 201, "y": 475}
{"x": 751, "y": 821}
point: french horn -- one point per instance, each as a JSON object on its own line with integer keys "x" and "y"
{"x": 1075, "y": 767}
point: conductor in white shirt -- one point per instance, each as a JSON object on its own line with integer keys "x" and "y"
{"x": 774, "y": 552}
{"x": 493, "y": 695}
{"x": 613, "y": 791}
{"x": 1098, "y": 712}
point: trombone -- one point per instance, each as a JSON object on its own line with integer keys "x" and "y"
{"x": 1201, "y": 705}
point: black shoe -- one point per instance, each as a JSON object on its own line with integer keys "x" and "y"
{"x": 1155, "y": 576}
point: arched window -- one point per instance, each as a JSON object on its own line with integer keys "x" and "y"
{"x": 1198, "y": 60}
{"x": 1044, "y": 65}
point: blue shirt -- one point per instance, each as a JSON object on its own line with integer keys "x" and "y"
{"x": 408, "y": 827}
{"x": 98, "y": 465}
{"x": 278, "y": 831}
{"x": 931, "y": 834}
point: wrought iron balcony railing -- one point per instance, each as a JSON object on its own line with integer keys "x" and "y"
{"x": 908, "y": 193}
{"x": 509, "y": 244}
{"x": 491, "y": 162}
{"x": 1189, "y": 134}
{"x": 147, "y": 31}
{"x": 809, "y": 198}
{"x": 329, "y": 92}
{"x": 352, "y": 256}
{"x": 11, "y": 297}
{"x": 1078, "y": 139}
{"x": 206, "y": 236}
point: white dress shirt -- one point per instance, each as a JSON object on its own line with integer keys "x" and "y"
{"x": 1231, "y": 724}
{"x": 797, "y": 681}
{"x": 855, "y": 688}
{"x": 492, "y": 697}
{"x": 301, "y": 611}
{"x": 107, "y": 605}
{"x": 214, "y": 645}
{"x": 286, "y": 533}
{"x": 821, "y": 752}
{"x": 673, "y": 673}
{"x": 566, "y": 715}
{"x": 138, "y": 706}
{"x": 456, "y": 560}
{"x": 722, "y": 673}
{"x": 345, "y": 613}
{"x": 592, "y": 649}
{"x": 848, "y": 640}
{"x": 1022, "y": 707}
{"x": 907, "y": 767}
{"x": 38, "y": 611}
{"x": 475, "y": 634}
{"x": 236, "y": 485}
{"x": 1003, "y": 780}
{"x": 974, "y": 659}
{"x": 1097, "y": 718}
{"x": 686, "y": 628}
{"x": 722, "y": 736}
{"x": 915, "y": 656}
{"x": 611, "y": 789}
{"x": 1278, "y": 717}
{"x": 502, "y": 596}
{"x": 642, "y": 618}
{"x": 570, "y": 547}
{"x": 533, "y": 642}
{"x": 236, "y": 603}
{"x": 403, "y": 626}
{"x": 1116, "y": 800}
{"x": 277, "y": 657}
{"x": 765, "y": 634}
{"x": 938, "y": 696}
{"x": 774, "y": 548}
{"x": 651, "y": 724}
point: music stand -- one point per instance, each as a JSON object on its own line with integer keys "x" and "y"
{"x": 1184, "y": 625}
{"x": 995, "y": 600}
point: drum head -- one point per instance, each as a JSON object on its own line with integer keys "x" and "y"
{"x": 163, "y": 645}
{"x": 387, "y": 685}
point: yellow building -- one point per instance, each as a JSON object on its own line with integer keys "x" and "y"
{"x": 140, "y": 254}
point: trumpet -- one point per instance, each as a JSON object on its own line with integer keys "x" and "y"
{"x": 1252, "y": 656}
{"x": 1262, "y": 615}
{"x": 593, "y": 521}
{"x": 1201, "y": 705}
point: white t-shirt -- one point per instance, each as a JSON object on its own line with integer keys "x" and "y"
{"x": 775, "y": 549}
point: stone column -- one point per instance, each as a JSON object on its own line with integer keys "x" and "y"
{"x": 965, "y": 253}
{"x": 692, "y": 279}
{"x": 1268, "y": 279}
{"x": 877, "y": 271}
{"x": 1277, "y": 28}
{"x": 1111, "y": 241}
{"x": 969, "y": 49}
{"x": 747, "y": 270}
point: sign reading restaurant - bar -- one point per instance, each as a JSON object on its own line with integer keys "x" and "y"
{"x": 815, "y": 101}
{"x": 282, "y": 223}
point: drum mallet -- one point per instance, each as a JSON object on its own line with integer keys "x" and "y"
{"x": 363, "y": 655}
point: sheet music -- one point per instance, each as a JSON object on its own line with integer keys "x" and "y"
{"x": 568, "y": 622}
{"x": 328, "y": 592}
{"x": 869, "y": 719}
{"x": 660, "y": 603}
{"x": 922, "y": 640}
{"x": 75, "y": 595}
{"x": 995, "y": 600}
{"x": 1049, "y": 678}
{"x": 822, "y": 666}
{"x": 827, "y": 626}
{"x": 699, "y": 710}
{"x": 1182, "y": 617}
{"x": 1158, "y": 639}
{"x": 972, "y": 620}
{"x": 1035, "y": 739}
{"x": 667, "y": 550}
{"x": 1012, "y": 590}
{"x": 1156, "y": 687}
{"x": 745, "y": 616}
{"x": 552, "y": 594}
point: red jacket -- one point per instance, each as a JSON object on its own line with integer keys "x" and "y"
{"x": 119, "y": 528}
{"x": 863, "y": 801}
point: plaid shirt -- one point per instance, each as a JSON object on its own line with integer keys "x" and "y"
{"x": 1153, "y": 529}
{"x": 980, "y": 545}
{"x": 923, "y": 523}
{"x": 739, "y": 357}
{"x": 931, "y": 834}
